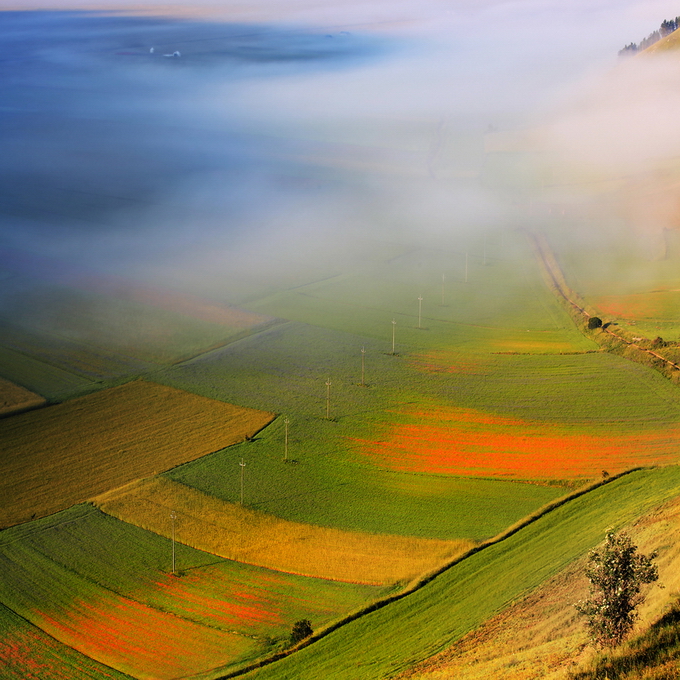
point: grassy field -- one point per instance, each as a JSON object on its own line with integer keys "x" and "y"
{"x": 64, "y": 454}
{"x": 245, "y": 535}
{"x": 72, "y": 356}
{"x": 395, "y": 637}
{"x": 105, "y": 588}
{"x": 98, "y": 328}
{"x": 42, "y": 378}
{"x": 331, "y": 489}
{"x": 28, "y": 653}
{"x": 587, "y": 403}
{"x": 15, "y": 398}
{"x": 495, "y": 407}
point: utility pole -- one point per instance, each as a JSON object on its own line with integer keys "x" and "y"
{"x": 328, "y": 399}
{"x": 420, "y": 309}
{"x": 172, "y": 517}
{"x": 285, "y": 446}
{"x": 443, "y": 279}
{"x": 363, "y": 357}
{"x": 243, "y": 465}
{"x": 394, "y": 325}
{"x": 466, "y": 266}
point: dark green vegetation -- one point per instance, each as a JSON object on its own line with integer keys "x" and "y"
{"x": 301, "y": 630}
{"x": 391, "y": 639}
{"x": 616, "y": 572}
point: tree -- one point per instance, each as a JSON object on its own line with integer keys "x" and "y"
{"x": 616, "y": 572}
{"x": 594, "y": 322}
{"x": 301, "y": 630}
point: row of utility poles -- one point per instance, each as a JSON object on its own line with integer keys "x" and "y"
{"x": 286, "y": 421}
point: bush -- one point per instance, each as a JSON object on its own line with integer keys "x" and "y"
{"x": 594, "y": 322}
{"x": 301, "y": 630}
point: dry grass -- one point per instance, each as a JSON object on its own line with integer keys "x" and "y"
{"x": 61, "y": 455}
{"x": 237, "y": 533}
{"x": 541, "y": 637}
{"x": 15, "y": 398}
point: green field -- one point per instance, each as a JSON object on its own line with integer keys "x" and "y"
{"x": 389, "y": 640}
{"x": 81, "y": 571}
{"x": 40, "y": 377}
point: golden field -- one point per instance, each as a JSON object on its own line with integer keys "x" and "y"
{"x": 67, "y": 453}
{"x": 245, "y": 535}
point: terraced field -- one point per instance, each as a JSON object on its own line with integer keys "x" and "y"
{"x": 64, "y": 454}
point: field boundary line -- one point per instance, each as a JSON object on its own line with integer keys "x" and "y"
{"x": 241, "y": 335}
{"x": 244, "y": 335}
{"x": 429, "y": 577}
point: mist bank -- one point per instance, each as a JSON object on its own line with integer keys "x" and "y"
{"x": 184, "y": 152}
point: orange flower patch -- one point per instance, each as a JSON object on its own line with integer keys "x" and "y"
{"x": 241, "y": 609}
{"x": 141, "y": 641}
{"x": 19, "y": 655}
{"x": 469, "y": 443}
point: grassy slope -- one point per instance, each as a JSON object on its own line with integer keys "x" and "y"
{"x": 391, "y": 639}
{"x": 541, "y": 636}
{"x": 654, "y": 655}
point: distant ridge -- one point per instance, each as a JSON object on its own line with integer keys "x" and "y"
{"x": 667, "y": 27}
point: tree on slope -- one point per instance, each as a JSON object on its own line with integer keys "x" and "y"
{"x": 616, "y": 572}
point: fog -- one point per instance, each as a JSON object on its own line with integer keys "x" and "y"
{"x": 176, "y": 145}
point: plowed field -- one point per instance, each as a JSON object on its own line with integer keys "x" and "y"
{"x": 67, "y": 453}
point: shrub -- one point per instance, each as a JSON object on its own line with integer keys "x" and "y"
{"x": 301, "y": 630}
{"x": 594, "y": 322}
